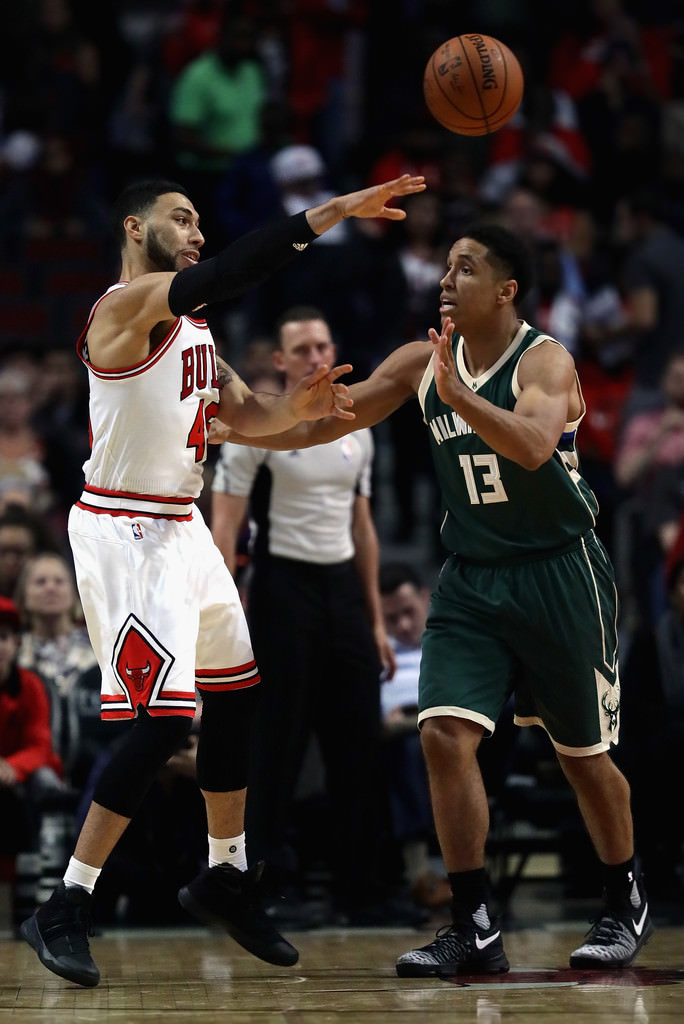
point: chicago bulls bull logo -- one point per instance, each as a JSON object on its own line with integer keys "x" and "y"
{"x": 138, "y": 675}
{"x": 140, "y": 662}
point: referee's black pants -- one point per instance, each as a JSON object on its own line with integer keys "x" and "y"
{"x": 320, "y": 673}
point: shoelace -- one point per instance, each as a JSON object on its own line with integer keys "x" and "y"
{"x": 448, "y": 942}
{"x": 606, "y": 930}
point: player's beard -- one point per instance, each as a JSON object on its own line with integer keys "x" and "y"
{"x": 157, "y": 253}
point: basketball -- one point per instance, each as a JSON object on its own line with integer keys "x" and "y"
{"x": 473, "y": 84}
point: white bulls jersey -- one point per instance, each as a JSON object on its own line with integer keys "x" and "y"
{"x": 163, "y": 613}
{"x": 149, "y": 423}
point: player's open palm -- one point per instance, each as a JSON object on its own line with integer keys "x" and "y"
{"x": 372, "y": 202}
{"x": 320, "y": 394}
{"x": 447, "y": 380}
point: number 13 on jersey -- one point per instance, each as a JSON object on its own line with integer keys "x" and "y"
{"x": 482, "y": 471}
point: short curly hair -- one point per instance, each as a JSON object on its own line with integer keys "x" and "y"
{"x": 506, "y": 251}
{"x": 136, "y": 199}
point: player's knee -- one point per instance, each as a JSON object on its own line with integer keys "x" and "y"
{"x": 593, "y": 773}
{"x": 448, "y": 739}
{"x": 224, "y": 740}
{"x": 137, "y": 759}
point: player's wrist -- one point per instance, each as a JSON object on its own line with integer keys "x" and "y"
{"x": 327, "y": 215}
{"x": 291, "y": 409}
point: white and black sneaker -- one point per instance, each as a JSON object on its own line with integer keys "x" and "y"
{"x": 617, "y": 936}
{"x": 469, "y": 947}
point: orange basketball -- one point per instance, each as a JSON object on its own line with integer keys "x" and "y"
{"x": 473, "y": 84}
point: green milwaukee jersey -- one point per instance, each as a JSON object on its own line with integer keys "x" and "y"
{"x": 493, "y": 509}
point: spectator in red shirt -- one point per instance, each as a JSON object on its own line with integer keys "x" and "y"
{"x": 576, "y": 59}
{"x": 28, "y": 764}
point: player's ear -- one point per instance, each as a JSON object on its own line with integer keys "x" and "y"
{"x": 508, "y": 291}
{"x": 133, "y": 227}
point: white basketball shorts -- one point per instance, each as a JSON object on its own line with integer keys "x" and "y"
{"x": 162, "y": 610}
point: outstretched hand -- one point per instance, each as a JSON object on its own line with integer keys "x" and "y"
{"x": 371, "y": 202}
{"x": 447, "y": 380}
{"x": 318, "y": 395}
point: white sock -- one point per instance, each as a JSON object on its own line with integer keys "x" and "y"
{"x": 82, "y": 875}
{"x": 228, "y": 851}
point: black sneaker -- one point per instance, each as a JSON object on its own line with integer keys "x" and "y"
{"x": 469, "y": 947}
{"x": 617, "y": 936}
{"x": 58, "y": 931}
{"x": 230, "y": 898}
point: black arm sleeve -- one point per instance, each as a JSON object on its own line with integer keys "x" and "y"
{"x": 244, "y": 263}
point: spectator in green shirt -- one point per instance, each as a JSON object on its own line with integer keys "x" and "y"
{"x": 215, "y": 108}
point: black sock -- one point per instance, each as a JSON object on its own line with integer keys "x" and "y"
{"x": 618, "y": 880}
{"x": 469, "y": 890}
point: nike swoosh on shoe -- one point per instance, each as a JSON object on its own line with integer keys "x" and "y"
{"x": 639, "y": 925}
{"x": 483, "y": 943}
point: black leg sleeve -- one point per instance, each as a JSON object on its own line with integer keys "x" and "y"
{"x": 136, "y": 760}
{"x": 224, "y": 740}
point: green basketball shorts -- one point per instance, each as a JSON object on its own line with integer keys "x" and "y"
{"x": 543, "y": 629}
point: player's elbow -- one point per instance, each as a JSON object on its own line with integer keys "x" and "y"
{"x": 532, "y": 464}
{"x": 534, "y": 456}
{"x": 536, "y": 446}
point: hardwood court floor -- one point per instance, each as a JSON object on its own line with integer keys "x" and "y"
{"x": 343, "y": 977}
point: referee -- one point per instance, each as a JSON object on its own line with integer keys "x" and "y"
{"x": 316, "y": 623}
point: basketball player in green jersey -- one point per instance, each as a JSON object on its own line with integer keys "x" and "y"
{"x": 525, "y": 603}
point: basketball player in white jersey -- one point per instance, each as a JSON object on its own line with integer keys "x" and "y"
{"x": 161, "y": 608}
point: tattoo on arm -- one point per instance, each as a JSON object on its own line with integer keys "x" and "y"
{"x": 225, "y": 374}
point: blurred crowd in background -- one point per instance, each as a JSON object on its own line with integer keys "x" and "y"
{"x": 269, "y": 106}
